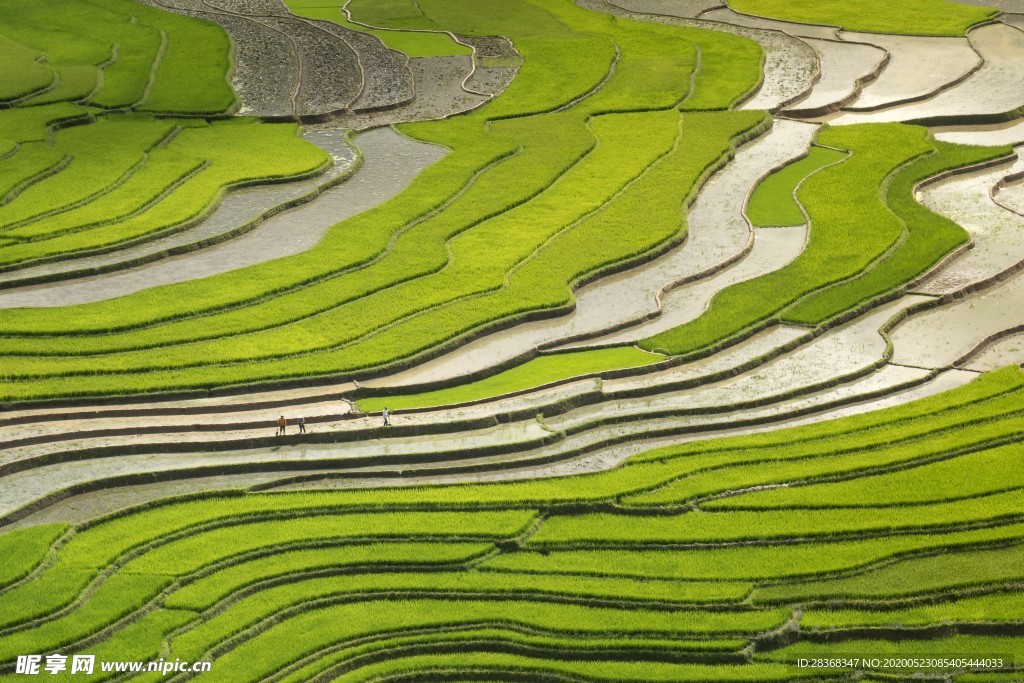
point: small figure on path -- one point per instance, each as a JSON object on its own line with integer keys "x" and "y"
{"x": 302, "y": 425}
{"x": 281, "y": 424}
{"x": 387, "y": 417}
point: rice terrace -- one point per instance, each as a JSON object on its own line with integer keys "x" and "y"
{"x": 512, "y": 340}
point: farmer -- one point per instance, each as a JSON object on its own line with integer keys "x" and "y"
{"x": 281, "y": 424}
{"x": 387, "y": 417}
{"x": 302, "y": 425}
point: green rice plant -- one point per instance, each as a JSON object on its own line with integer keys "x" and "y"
{"x": 505, "y": 588}
{"x": 205, "y": 159}
{"x": 25, "y": 71}
{"x": 772, "y": 203}
{"x": 33, "y": 124}
{"x": 473, "y": 269}
{"x": 495, "y": 666}
{"x": 207, "y": 592}
{"x": 414, "y": 44}
{"x": 209, "y": 589}
{"x": 396, "y": 13}
{"x": 851, "y": 227}
{"x": 700, "y": 526}
{"x": 761, "y": 563}
{"x": 119, "y": 596}
{"x": 200, "y": 549}
{"x": 929, "y": 237}
{"x": 151, "y": 58}
{"x": 25, "y": 549}
{"x": 576, "y": 38}
{"x": 30, "y": 162}
{"x": 914, "y": 576}
{"x": 102, "y": 155}
{"x": 972, "y": 474}
{"x": 932, "y": 413}
{"x": 79, "y": 561}
{"x": 50, "y": 591}
{"x": 827, "y": 465}
{"x": 192, "y": 76}
{"x": 127, "y": 77}
{"x": 689, "y": 167}
{"x": 159, "y": 174}
{"x": 910, "y": 17}
{"x": 136, "y": 642}
{"x": 539, "y": 371}
{"x": 993, "y": 608}
{"x": 310, "y": 630}
{"x": 76, "y": 83}
{"x": 481, "y": 639}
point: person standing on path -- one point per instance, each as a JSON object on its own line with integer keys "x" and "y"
{"x": 281, "y": 424}
{"x": 302, "y": 425}
{"x": 387, "y": 417}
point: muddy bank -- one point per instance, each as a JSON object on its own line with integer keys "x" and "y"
{"x": 997, "y": 234}
{"x": 991, "y": 91}
{"x": 918, "y": 67}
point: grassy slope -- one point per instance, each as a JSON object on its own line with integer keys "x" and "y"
{"x": 408, "y": 558}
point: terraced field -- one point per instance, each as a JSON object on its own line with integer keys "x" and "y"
{"x": 639, "y": 340}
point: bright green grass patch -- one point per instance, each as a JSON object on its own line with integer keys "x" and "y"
{"x": 964, "y": 476}
{"x": 471, "y": 638}
{"x": 394, "y": 13}
{"x": 307, "y": 632}
{"x": 539, "y": 371}
{"x": 868, "y": 236}
{"x": 129, "y": 198}
{"x": 291, "y": 540}
{"x": 762, "y": 563}
{"x": 102, "y": 155}
{"x": 413, "y": 44}
{"x": 534, "y": 285}
{"x": 913, "y": 17}
{"x": 851, "y": 227}
{"x": 997, "y": 607}
{"x": 118, "y": 597}
{"x": 32, "y": 124}
{"x": 773, "y": 203}
{"x": 931, "y": 414}
{"x": 138, "y": 641}
{"x": 928, "y": 236}
{"x": 208, "y": 547}
{"x": 24, "y": 549}
{"x": 698, "y": 526}
{"x": 76, "y": 83}
{"x": 210, "y": 589}
{"x": 909, "y": 577}
{"x": 23, "y": 69}
{"x": 536, "y": 588}
{"x": 491, "y": 666}
{"x": 191, "y": 57}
